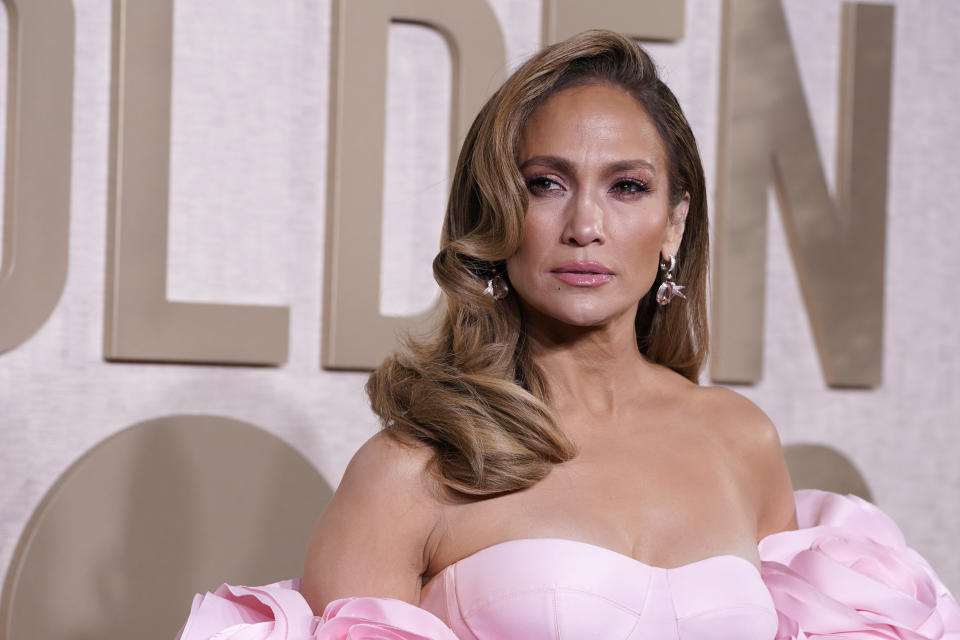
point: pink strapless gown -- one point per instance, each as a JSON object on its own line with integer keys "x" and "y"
{"x": 845, "y": 573}
{"x": 554, "y": 588}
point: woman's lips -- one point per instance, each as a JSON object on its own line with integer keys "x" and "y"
{"x": 584, "y": 279}
{"x": 583, "y": 274}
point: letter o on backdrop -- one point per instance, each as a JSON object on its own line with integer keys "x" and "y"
{"x": 148, "y": 517}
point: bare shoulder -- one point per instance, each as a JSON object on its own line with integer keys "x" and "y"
{"x": 738, "y": 419}
{"x": 383, "y": 462}
{"x": 373, "y": 537}
{"x": 385, "y": 478}
{"x": 753, "y": 444}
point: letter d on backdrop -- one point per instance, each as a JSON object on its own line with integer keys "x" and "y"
{"x": 355, "y": 334}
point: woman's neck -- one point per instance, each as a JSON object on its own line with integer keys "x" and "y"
{"x": 597, "y": 370}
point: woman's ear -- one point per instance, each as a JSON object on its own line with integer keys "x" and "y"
{"x": 675, "y": 226}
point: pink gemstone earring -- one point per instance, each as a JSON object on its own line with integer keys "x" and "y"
{"x": 669, "y": 288}
{"x": 497, "y": 288}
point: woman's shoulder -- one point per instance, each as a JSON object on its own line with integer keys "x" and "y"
{"x": 385, "y": 454}
{"x": 723, "y": 414}
{"x": 385, "y": 468}
{"x": 752, "y": 445}
{"x": 393, "y": 479}
{"x": 736, "y": 418}
{"x": 375, "y": 536}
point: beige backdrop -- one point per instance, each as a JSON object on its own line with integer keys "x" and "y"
{"x": 248, "y": 162}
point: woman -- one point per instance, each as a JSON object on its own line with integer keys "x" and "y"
{"x": 549, "y": 466}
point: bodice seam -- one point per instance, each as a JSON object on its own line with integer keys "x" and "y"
{"x": 512, "y": 593}
{"x": 734, "y": 607}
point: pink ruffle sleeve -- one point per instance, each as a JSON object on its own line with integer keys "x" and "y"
{"x": 847, "y": 572}
{"x": 278, "y": 612}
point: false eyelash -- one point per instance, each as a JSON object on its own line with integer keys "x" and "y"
{"x": 532, "y": 182}
{"x": 642, "y": 186}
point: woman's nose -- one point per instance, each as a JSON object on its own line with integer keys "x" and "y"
{"x": 584, "y": 221}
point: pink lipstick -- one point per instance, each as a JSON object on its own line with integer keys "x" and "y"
{"x": 583, "y": 274}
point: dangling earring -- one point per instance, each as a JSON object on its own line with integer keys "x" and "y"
{"x": 669, "y": 288}
{"x": 497, "y": 288}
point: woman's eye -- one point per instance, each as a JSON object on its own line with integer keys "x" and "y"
{"x": 542, "y": 185}
{"x": 630, "y": 187}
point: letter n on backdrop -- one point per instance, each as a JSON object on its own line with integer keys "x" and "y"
{"x": 837, "y": 244}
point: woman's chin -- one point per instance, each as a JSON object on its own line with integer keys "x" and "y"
{"x": 584, "y": 311}
{"x": 583, "y": 317}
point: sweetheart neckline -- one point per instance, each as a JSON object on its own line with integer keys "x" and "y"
{"x": 592, "y": 546}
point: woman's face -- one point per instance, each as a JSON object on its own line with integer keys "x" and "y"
{"x": 599, "y": 215}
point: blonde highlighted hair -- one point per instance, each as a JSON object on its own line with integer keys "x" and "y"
{"x": 470, "y": 390}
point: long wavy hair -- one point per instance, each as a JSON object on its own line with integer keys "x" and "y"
{"x": 470, "y": 389}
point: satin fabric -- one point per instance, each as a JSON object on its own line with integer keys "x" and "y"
{"x": 846, "y": 572}
{"x": 548, "y": 589}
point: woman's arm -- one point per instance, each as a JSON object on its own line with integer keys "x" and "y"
{"x": 777, "y": 504}
{"x": 373, "y": 539}
{"x": 758, "y": 455}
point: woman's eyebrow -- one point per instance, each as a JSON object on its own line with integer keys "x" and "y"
{"x": 560, "y": 164}
{"x": 628, "y": 165}
{"x": 565, "y": 166}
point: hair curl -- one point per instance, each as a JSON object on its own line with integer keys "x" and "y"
{"x": 470, "y": 390}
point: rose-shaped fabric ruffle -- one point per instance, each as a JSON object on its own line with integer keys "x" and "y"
{"x": 271, "y": 612}
{"x": 380, "y": 619}
{"x": 847, "y": 572}
{"x": 279, "y": 612}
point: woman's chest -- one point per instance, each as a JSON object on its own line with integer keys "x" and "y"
{"x": 665, "y": 504}
{"x": 546, "y": 589}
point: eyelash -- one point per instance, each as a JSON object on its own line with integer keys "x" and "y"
{"x": 539, "y": 184}
{"x": 636, "y": 186}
